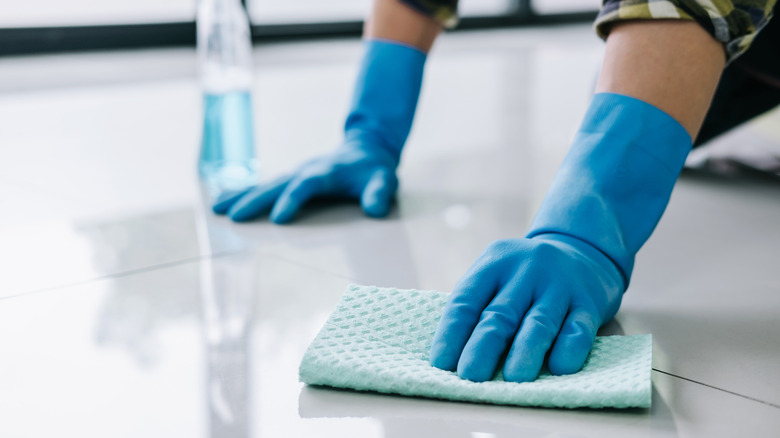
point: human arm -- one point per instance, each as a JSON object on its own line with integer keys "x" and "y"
{"x": 549, "y": 292}
{"x": 380, "y": 117}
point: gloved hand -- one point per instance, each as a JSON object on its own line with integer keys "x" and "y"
{"x": 551, "y": 291}
{"x": 364, "y": 166}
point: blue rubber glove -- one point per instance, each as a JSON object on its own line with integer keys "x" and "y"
{"x": 550, "y": 292}
{"x": 364, "y": 166}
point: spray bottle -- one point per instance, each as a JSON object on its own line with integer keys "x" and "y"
{"x": 227, "y": 156}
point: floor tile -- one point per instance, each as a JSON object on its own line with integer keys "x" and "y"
{"x": 51, "y": 254}
{"x": 680, "y": 409}
{"x": 211, "y": 349}
{"x": 706, "y": 286}
{"x": 151, "y": 354}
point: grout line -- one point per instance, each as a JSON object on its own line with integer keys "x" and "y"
{"x": 719, "y": 389}
{"x": 127, "y": 273}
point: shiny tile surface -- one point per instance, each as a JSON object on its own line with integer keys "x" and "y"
{"x": 706, "y": 285}
{"x": 128, "y": 309}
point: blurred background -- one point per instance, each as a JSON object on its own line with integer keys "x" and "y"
{"x": 50, "y": 13}
{"x": 49, "y": 25}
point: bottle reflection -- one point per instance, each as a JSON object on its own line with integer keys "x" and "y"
{"x": 226, "y": 288}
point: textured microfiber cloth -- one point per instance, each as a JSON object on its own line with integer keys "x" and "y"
{"x": 379, "y": 339}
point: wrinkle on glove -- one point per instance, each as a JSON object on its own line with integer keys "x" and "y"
{"x": 617, "y": 178}
{"x": 379, "y": 339}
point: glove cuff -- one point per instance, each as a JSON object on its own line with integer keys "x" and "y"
{"x": 385, "y": 97}
{"x": 616, "y": 180}
{"x": 630, "y": 122}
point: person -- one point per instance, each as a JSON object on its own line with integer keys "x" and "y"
{"x": 673, "y": 70}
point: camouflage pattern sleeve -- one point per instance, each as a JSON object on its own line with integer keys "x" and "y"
{"x": 732, "y": 22}
{"x": 443, "y": 11}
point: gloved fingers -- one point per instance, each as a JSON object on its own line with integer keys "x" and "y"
{"x": 537, "y": 332}
{"x": 497, "y": 327}
{"x": 574, "y": 341}
{"x": 257, "y": 201}
{"x": 471, "y": 295}
{"x": 299, "y": 191}
{"x": 226, "y": 200}
{"x": 378, "y": 193}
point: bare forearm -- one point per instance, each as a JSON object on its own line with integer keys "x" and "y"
{"x": 393, "y": 20}
{"x": 672, "y": 65}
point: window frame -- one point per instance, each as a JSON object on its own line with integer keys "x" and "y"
{"x": 36, "y": 40}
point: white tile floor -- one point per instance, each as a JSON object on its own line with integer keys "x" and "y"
{"x": 129, "y": 310}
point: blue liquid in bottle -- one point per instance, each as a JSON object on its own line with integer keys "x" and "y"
{"x": 227, "y": 154}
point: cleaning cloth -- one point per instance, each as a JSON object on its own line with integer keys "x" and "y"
{"x": 379, "y": 339}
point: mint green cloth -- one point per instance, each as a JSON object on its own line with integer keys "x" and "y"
{"x": 379, "y": 340}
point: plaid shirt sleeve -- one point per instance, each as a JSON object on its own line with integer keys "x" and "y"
{"x": 732, "y": 22}
{"x": 443, "y": 11}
